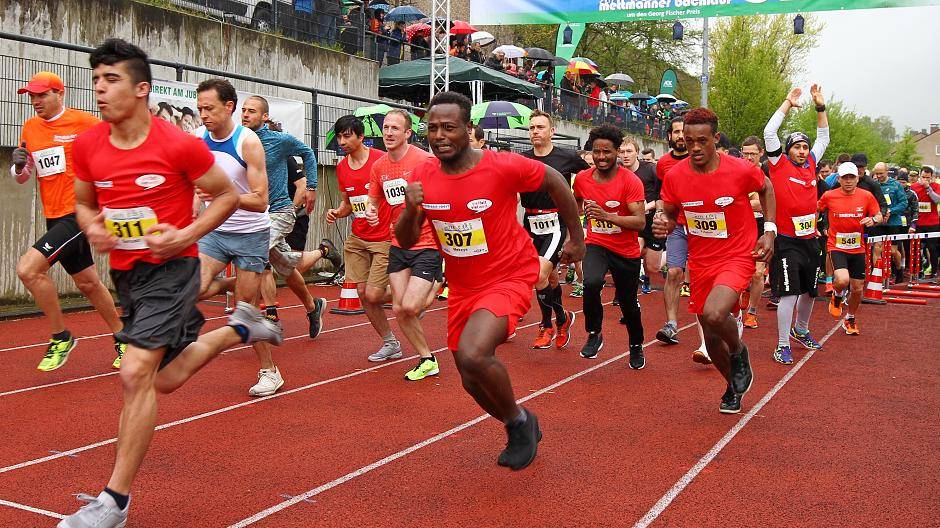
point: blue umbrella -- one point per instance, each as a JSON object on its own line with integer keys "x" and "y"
{"x": 380, "y": 7}
{"x": 622, "y": 95}
{"x": 404, "y": 14}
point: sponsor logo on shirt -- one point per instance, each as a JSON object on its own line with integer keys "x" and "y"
{"x": 692, "y": 204}
{"x": 724, "y": 201}
{"x": 149, "y": 181}
{"x": 104, "y": 184}
{"x": 479, "y": 205}
{"x": 351, "y": 189}
{"x": 67, "y": 138}
{"x": 612, "y": 203}
{"x": 437, "y": 207}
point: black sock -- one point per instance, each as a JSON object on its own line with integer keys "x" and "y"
{"x": 121, "y": 500}
{"x": 560, "y": 316}
{"x": 242, "y": 332}
{"x": 64, "y": 335}
{"x": 544, "y": 297}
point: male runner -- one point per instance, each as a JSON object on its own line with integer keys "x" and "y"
{"x": 649, "y": 155}
{"x": 548, "y": 233}
{"x": 470, "y": 197}
{"x": 414, "y": 272}
{"x": 896, "y": 198}
{"x": 135, "y": 177}
{"x": 651, "y": 248}
{"x": 46, "y": 151}
{"x": 277, "y": 147}
{"x": 611, "y": 197}
{"x": 928, "y": 221}
{"x": 849, "y": 210}
{"x": 243, "y": 238}
{"x": 677, "y": 249}
{"x": 753, "y": 150}
{"x": 366, "y": 249}
{"x": 795, "y": 265}
{"x": 712, "y": 190}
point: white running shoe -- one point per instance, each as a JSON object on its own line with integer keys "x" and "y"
{"x": 100, "y": 512}
{"x": 701, "y": 355}
{"x": 739, "y": 320}
{"x": 388, "y": 351}
{"x": 269, "y": 381}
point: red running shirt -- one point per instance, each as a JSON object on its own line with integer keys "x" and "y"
{"x": 613, "y": 196}
{"x": 663, "y": 166}
{"x": 926, "y": 208}
{"x": 140, "y": 187}
{"x": 795, "y": 191}
{"x": 355, "y": 184}
{"x": 720, "y": 219}
{"x": 387, "y": 183}
{"x": 845, "y": 212}
{"x": 474, "y": 219}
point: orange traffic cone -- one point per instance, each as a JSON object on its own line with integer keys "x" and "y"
{"x": 874, "y": 285}
{"x": 349, "y": 303}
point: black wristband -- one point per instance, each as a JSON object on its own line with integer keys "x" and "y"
{"x": 821, "y": 108}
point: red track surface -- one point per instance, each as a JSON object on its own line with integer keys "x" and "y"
{"x": 850, "y": 439}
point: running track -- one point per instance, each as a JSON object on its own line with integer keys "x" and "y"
{"x": 845, "y": 437}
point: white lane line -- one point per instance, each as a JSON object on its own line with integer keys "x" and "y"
{"x": 687, "y": 479}
{"x": 420, "y": 445}
{"x": 233, "y": 407}
{"x": 242, "y": 347}
{"x": 31, "y": 509}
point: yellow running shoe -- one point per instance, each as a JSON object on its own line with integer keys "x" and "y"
{"x": 56, "y": 354}
{"x": 427, "y": 367}
{"x": 119, "y": 349}
{"x": 684, "y": 290}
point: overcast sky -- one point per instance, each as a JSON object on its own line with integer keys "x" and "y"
{"x": 882, "y": 62}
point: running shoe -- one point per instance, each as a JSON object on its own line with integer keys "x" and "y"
{"x": 569, "y": 277}
{"x": 730, "y": 402}
{"x": 835, "y": 305}
{"x": 783, "y": 355}
{"x": 544, "y": 338}
{"x": 750, "y": 320}
{"x": 330, "y": 252}
{"x": 595, "y": 343}
{"x": 615, "y": 302}
{"x": 805, "y": 339}
{"x": 684, "y": 290}
{"x": 701, "y": 356}
{"x": 773, "y": 302}
{"x": 388, "y": 351}
{"x": 522, "y": 443}
{"x": 426, "y": 367}
{"x": 442, "y": 295}
{"x": 645, "y": 287}
{"x": 637, "y": 360}
{"x": 739, "y": 322}
{"x": 564, "y": 331}
{"x": 668, "y": 334}
{"x": 259, "y": 327}
{"x": 57, "y": 353}
{"x": 315, "y": 317}
{"x": 850, "y": 326}
{"x": 99, "y": 512}
{"x": 577, "y": 290}
{"x": 119, "y": 349}
{"x": 269, "y": 381}
{"x": 741, "y": 374}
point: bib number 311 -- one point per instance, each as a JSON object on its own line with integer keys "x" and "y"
{"x": 130, "y": 225}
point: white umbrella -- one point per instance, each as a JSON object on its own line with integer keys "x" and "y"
{"x": 619, "y": 78}
{"x": 666, "y": 98}
{"x": 483, "y": 37}
{"x": 512, "y": 52}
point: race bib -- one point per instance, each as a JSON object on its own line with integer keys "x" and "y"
{"x": 604, "y": 228}
{"x": 544, "y": 224}
{"x": 848, "y": 240}
{"x": 804, "y": 225}
{"x": 129, "y": 225}
{"x": 462, "y": 239}
{"x": 358, "y": 204}
{"x": 904, "y": 221}
{"x": 49, "y": 161}
{"x": 923, "y": 207}
{"x": 707, "y": 225}
{"x": 395, "y": 191}
{"x": 888, "y": 199}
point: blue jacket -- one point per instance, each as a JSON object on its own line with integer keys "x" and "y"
{"x": 896, "y": 197}
{"x": 277, "y": 147}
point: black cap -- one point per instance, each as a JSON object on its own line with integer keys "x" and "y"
{"x": 902, "y": 176}
{"x": 860, "y": 160}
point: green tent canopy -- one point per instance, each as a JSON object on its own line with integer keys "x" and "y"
{"x": 402, "y": 81}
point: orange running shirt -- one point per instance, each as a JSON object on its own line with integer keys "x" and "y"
{"x": 50, "y": 145}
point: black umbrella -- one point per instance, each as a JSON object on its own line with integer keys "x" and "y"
{"x": 640, "y": 97}
{"x": 539, "y": 54}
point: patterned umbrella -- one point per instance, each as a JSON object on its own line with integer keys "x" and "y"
{"x": 582, "y": 68}
{"x": 420, "y": 29}
{"x": 500, "y": 114}
{"x": 372, "y": 118}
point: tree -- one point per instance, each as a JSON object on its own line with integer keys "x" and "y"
{"x": 754, "y": 60}
{"x": 905, "y": 152}
{"x": 849, "y": 132}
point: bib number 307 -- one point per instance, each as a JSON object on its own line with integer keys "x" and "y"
{"x": 462, "y": 239}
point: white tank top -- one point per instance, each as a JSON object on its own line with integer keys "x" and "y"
{"x": 228, "y": 156}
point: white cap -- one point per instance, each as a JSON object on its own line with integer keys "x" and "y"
{"x": 848, "y": 168}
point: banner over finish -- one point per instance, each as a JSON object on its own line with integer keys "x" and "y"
{"x": 496, "y": 12}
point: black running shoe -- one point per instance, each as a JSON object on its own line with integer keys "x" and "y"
{"x": 730, "y": 402}
{"x": 637, "y": 361}
{"x": 331, "y": 253}
{"x": 523, "y": 443}
{"x": 741, "y": 374}
{"x": 315, "y": 317}
{"x": 594, "y": 345}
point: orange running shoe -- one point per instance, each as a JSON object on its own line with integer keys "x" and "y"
{"x": 850, "y": 326}
{"x": 835, "y": 305}
{"x": 563, "y": 336}
{"x": 750, "y": 320}
{"x": 544, "y": 339}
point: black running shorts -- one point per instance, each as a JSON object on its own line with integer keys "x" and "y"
{"x": 425, "y": 264}
{"x": 794, "y": 266}
{"x": 65, "y": 243}
{"x": 653, "y": 243}
{"x": 547, "y": 245}
{"x": 159, "y": 305}
{"x": 854, "y": 262}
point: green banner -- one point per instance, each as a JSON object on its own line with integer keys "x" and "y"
{"x": 498, "y": 12}
{"x": 669, "y": 82}
{"x": 566, "y": 51}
